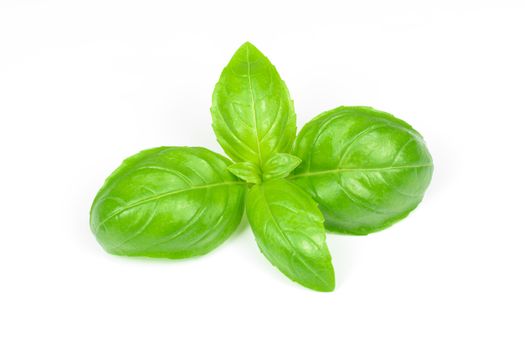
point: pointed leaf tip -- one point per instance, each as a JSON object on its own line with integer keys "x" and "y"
{"x": 327, "y": 285}
{"x": 248, "y": 45}
{"x": 248, "y": 49}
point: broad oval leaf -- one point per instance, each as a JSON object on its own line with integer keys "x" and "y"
{"x": 365, "y": 168}
{"x": 253, "y": 115}
{"x": 172, "y": 202}
{"x": 289, "y": 230}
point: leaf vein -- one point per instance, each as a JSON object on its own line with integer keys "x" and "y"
{"x": 164, "y": 195}
{"x": 344, "y": 170}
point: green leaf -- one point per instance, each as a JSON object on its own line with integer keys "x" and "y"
{"x": 253, "y": 115}
{"x": 172, "y": 202}
{"x": 289, "y": 230}
{"x": 365, "y": 168}
{"x": 246, "y": 171}
{"x": 280, "y": 165}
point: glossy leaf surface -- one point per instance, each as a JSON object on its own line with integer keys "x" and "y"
{"x": 246, "y": 171}
{"x": 365, "y": 168}
{"x": 289, "y": 230}
{"x": 253, "y": 115}
{"x": 172, "y": 202}
{"x": 280, "y": 165}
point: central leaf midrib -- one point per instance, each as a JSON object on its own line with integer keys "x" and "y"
{"x": 254, "y": 113}
{"x": 163, "y": 195}
{"x": 343, "y": 170}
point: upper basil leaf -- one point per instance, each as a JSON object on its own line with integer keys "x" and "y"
{"x": 280, "y": 165}
{"x": 365, "y": 168}
{"x": 172, "y": 202}
{"x": 289, "y": 230}
{"x": 247, "y": 171}
{"x": 253, "y": 115}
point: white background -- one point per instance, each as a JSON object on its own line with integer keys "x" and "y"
{"x": 84, "y": 84}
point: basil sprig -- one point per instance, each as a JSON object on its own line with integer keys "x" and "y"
{"x": 352, "y": 170}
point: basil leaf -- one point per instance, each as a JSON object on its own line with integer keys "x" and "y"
{"x": 289, "y": 230}
{"x": 365, "y": 168}
{"x": 253, "y": 115}
{"x": 247, "y": 171}
{"x": 280, "y": 165}
{"x": 172, "y": 202}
